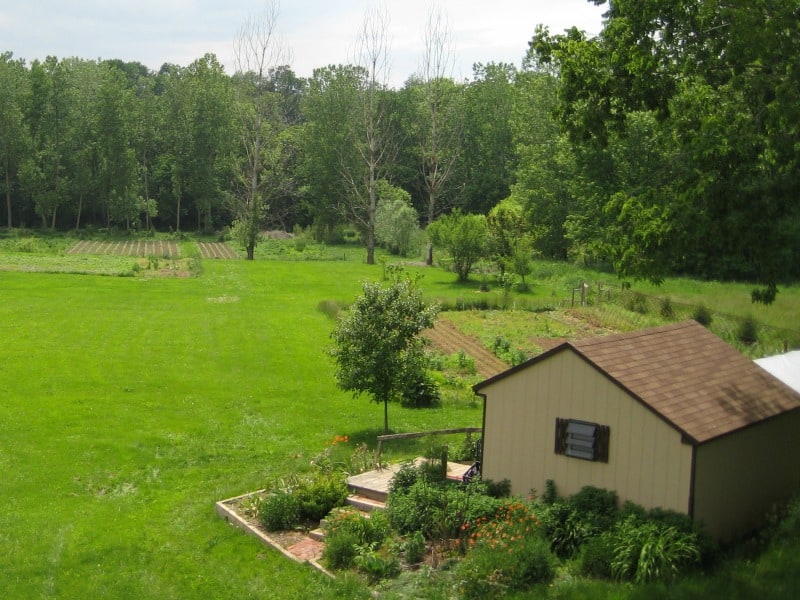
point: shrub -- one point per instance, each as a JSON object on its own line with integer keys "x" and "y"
{"x": 415, "y": 548}
{"x": 565, "y": 529}
{"x": 340, "y": 550}
{"x": 550, "y": 493}
{"x": 318, "y": 496}
{"x": 596, "y": 507}
{"x": 439, "y": 511}
{"x": 376, "y": 565}
{"x": 747, "y": 332}
{"x": 468, "y": 451}
{"x": 637, "y": 302}
{"x": 646, "y": 551}
{"x": 365, "y": 529}
{"x": 279, "y": 511}
{"x": 595, "y": 558}
{"x": 407, "y": 475}
{"x": 420, "y": 389}
{"x": 666, "y": 310}
{"x": 498, "y": 489}
{"x": 702, "y": 315}
{"x": 506, "y": 554}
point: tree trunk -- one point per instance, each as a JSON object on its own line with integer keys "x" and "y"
{"x": 80, "y": 209}
{"x": 385, "y": 416}
{"x": 8, "y": 193}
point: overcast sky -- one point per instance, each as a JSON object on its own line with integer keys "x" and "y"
{"x": 318, "y": 32}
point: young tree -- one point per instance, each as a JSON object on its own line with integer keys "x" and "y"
{"x": 463, "y": 237}
{"x": 377, "y": 345}
{"x": 396, "y": 221}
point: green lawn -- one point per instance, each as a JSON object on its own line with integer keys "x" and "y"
{"x": 132, "y": 404}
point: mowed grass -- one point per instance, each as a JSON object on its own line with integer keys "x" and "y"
{"x": 131, "y": 405}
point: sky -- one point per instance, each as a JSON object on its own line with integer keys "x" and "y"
{"x": 316, "y": 32}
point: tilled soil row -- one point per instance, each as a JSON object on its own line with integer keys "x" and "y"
{"x": 161, "y": 248}
{"x": 216, "y": 250}
{"x": 446, "y": 337}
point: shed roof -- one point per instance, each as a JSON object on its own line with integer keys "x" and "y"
{"x": 687, "y": 375}
{"x": 785, "y": 367}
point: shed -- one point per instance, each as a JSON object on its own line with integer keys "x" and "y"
{"x": 785, "y": 367}
{"x": 669, "y": 417}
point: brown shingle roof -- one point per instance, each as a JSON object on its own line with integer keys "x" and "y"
{"x": 689, "y": 376}
{"x": 684, "y": 373}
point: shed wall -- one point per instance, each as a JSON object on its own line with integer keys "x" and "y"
{"x": 740, "y": 476}
{"x": 647, "y": 463}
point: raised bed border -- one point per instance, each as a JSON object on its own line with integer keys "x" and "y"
{"x": 225, "y": 510}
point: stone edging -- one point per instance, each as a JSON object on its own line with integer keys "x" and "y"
{"x": 224, "y": 509}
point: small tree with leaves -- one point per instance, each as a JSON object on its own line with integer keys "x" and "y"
{"x": 463, "y": 237}
{"x": 377, "y": 341}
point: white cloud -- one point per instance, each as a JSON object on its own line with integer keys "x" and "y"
{"x": 318, "y": 32}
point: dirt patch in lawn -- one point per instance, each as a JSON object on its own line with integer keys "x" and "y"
{"x": 448, "y": 339}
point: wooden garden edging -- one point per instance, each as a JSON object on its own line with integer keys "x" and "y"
{"x": 401, "y": 436}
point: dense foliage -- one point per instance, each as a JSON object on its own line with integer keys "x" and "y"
{"x": 377, "y": 348}
{"x": 665, "y": 145}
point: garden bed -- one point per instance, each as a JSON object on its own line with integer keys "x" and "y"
{"x": 297, "y": 545}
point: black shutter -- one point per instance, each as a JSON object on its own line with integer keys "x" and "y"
{"x": 601, "y": 440}
{"x": 561, "y": 436}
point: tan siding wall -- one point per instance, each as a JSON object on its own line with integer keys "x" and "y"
{"x": 647, "y": 462}
{"x": 741, "y": 475}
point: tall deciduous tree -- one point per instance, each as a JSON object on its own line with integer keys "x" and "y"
{"x": 374, "y": 147}
{"x": 258, "y": 50}
{"x": 441, "y": 112}
{"x": 329, "y": 143}
{"x": 14, "y": 96}
{"x": 720, "y": 83}
{"x": 486, "y": 162}
{"x": 377, "y": 348}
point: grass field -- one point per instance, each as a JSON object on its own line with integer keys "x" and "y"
{"x": 132, "y": 404}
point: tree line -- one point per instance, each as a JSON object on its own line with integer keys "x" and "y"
{"x": 667, "y": 144}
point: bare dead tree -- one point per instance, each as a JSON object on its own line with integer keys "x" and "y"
{"x": 257, "y": 50}
{"x": 372, "y": 54}
{"x": 441, "y": 139}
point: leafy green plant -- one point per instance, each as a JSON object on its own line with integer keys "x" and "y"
{"x": 702, "y": 315}
{"x": 279, "y": 510}
{"x": 340, "y": 550}
{"x": 645, "y": 551}
{"x": 506, "y": 553}
{"x": 317, "y": 496}
{"x": 565, "y": 529}
{"x": 376, "y": 565}
{"x": 595, "y": 556}
{"x": 597, "y": 507}
{"x": 666, "y": 309}
{"x": 747, "y": 331}
{"x": 414, "y": 548}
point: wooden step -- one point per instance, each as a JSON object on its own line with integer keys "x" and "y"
{"x": 365, "y": 503}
